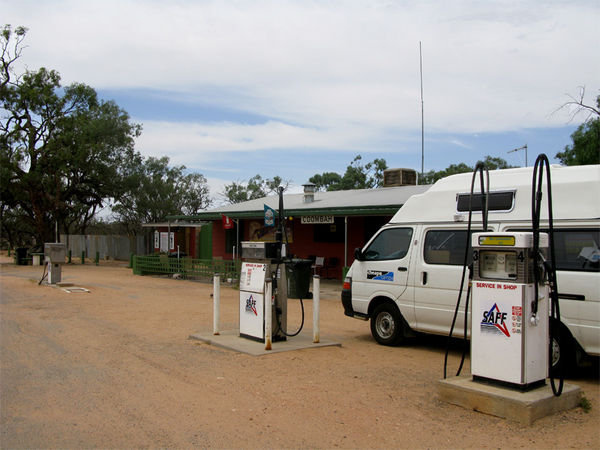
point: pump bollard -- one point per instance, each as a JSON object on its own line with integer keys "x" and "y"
{"x": 268, "y": 313}
{"x": 216, "y": 302}
{"x": 316, "y": 306}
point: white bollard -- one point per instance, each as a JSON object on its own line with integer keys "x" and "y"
{"x": 216, "y": 302}
{"x": 268, "y": 313}
{"x": 316, "y": 301}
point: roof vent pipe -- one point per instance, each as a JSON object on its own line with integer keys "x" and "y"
{"x": 309, "y": 192}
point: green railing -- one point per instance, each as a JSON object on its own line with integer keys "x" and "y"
{"x": 187, "y": 268}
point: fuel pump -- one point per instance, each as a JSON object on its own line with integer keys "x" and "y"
{"x": 264, "y": 260}
{"x": 514, "y": 291}
{"x": 54, "y": 253}
{"x": 261, "y": 262}
{"x": 509, "y": 325}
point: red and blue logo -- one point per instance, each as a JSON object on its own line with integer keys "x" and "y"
{"x": 251, "y": 305}
{"x": 494, "y": 320}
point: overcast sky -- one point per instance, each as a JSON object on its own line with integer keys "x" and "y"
{"x": 294, "y": 88}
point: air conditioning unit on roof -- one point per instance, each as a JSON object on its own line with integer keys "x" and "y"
{"x": 399, "y": 177}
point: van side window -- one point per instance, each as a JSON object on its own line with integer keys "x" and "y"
{"x": 446, "y": 247}
{"x": 392, "y": 243}
{"x": 577, "y": 250}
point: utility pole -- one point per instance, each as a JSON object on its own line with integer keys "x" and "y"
{"x": 520, "y": 148}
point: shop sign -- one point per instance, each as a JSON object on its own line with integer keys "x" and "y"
{"x": 314, "y": 220}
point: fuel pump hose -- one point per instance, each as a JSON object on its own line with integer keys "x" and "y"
{"x": 479, "y": 168}
{"x": 539, "y": 264}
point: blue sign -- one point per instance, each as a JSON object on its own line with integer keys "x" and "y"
{"x": 270, "y": 214}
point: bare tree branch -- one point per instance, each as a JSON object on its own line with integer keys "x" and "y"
{"x": 576, "y": 106}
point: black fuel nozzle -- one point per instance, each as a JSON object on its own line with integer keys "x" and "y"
{"x": 542, "y": 268}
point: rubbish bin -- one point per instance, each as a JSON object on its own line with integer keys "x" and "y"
{"x": 298, "y": 278}
{"x": 21, "y": 256}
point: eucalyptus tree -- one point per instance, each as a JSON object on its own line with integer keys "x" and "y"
{"x": 62, "y": 149}
{"x": 357, "y": 176}
{"x": 154, "y": 190}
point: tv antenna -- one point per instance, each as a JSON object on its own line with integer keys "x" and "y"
{"x": 518, "y": 149}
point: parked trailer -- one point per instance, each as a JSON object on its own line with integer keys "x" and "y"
{"x": 406, "y": 278}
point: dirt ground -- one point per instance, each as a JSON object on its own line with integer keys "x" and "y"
{"x": 115, "y": 368}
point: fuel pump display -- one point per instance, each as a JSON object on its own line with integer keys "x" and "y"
{"x": 499, "y": 265}
{"x": 509, "y": 339}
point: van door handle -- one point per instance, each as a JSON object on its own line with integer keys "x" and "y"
{"x": 424, "y": 278}
{"x": 402, "y": 269}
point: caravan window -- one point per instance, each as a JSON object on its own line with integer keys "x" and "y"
{"x": 497, "y": 201}
{"x": 446, "y": 247}
{"x": 392, "y": 243}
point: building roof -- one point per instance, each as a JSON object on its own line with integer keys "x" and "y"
{"x": 381, "y": 201}
{"x": 179, "y": 223}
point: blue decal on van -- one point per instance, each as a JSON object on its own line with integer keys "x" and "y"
{"x": 380, "y": 275}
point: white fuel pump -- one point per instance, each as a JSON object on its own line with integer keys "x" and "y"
{"x": 509, "y": 325}
{"x": 261, "y": 262}
{"x": 55, "y": 253}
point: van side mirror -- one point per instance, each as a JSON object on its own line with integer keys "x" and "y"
{"x": 358, "y": 254}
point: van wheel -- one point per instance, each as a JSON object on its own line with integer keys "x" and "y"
{"x": 562, "y": 351}
{"x": 386, "y": 325}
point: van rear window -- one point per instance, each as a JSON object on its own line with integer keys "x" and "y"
{"x": 498, "y": 201}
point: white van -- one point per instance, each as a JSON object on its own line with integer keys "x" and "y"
{"x": 406, "y": 278}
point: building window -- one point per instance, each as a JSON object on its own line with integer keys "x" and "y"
{"x": 333, "y": 232}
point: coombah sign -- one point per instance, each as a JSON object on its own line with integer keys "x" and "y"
{"x": 314, "y": 220}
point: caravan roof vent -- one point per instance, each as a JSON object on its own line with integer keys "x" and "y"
{"x": 399, "y": 177}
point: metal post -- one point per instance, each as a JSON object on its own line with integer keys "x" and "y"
{"x": 216, "y": 302}
{"x": 345, "y": 241}
{"x": 97, "y": 260}
{"x": 316, "y": 306}
{"x": 82, "y": 257}
{"x": 268, "y": 313}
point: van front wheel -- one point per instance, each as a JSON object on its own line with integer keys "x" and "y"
{"x": 386, "y": 325}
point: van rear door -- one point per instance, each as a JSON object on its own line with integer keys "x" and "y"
{"x": 383, "y": 267}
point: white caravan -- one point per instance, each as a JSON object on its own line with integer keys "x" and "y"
{"x": 406, "y": 278}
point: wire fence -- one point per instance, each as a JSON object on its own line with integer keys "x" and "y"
{"x": 186, "y": 268}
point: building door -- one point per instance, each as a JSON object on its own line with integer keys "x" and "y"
{"x": 206, "y": 242}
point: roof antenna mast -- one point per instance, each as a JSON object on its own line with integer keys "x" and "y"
{"x": 422, "y": 114}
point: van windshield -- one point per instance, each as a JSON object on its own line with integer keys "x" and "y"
{"x": 392, "y": 243}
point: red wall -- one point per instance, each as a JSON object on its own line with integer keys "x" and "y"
{"x": 303, "y": 245}
{"x": 218, "y": 241}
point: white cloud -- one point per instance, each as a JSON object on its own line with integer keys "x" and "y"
{"x": 329, "y": 66}
{"x": 207, "y": 142}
